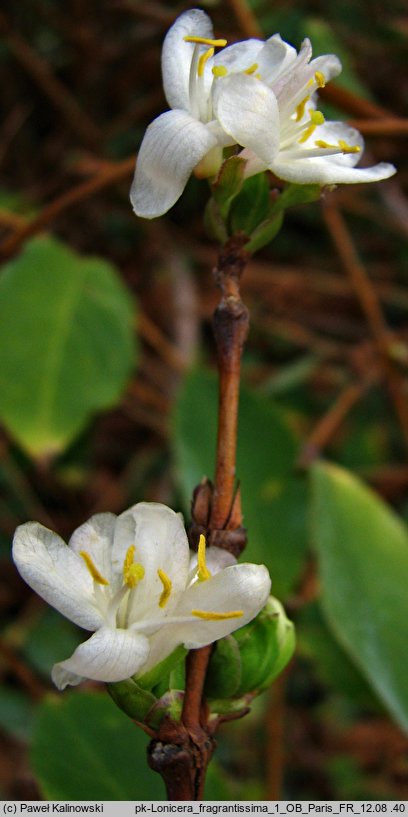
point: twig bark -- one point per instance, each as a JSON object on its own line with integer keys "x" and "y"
{"x": 181, "y": 752}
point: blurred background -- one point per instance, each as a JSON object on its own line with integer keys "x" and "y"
{"x": 108, "y": 391}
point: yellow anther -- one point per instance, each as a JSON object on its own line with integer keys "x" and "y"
{"x": 321, "y": 144}
{"x": 252, "y": 68}
{"x": 346, "y": 148}
{"x": 320, "y": 79}
{"x": 219, "y": 70}
{"x": 257, "y": 76}
{"x": 203, "y": 572}
{"x": 209, "y": 616}
{"x": 205, "y": 41}
{"x": 317, "y": 117}
{"x": 133, "y": 572}
{"x": 166, "y": 582}
{"x": 97, "y": 577}
{"x": 300, "y": 110}
{"x": 202, "y": 61}
{"x": 310, "y": 83}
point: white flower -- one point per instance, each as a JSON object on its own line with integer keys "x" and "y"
{"x": 258, "y": 95}
{"x": 132, "y": 580}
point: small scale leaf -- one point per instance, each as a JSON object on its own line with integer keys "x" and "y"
{"x": 264, "y": 233}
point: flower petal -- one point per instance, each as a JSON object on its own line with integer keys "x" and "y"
{"x": 239, "y": 56}
{"x": 57, "y": 574}
{"x": 274, "y": 58}
{"x": 247, "y": 110}
{"x": 172, "y": 146}
{"x": 335, "y": 169}
{"x": 161, "y": 543}
{"x": 96, "y": 538}
{"x": 177, "y": 55}
{"x": 243, "y": 587}
{"x": 109, "y": 655}
{"x": 328, "y": 64}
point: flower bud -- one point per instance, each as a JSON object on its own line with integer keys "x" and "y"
{"x": 250, "y": 659}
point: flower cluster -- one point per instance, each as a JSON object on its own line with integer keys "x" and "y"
{"x": 132, "y": 581}
{"x": 260, "y": 96}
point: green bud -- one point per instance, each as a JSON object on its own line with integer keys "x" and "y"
{"x": 249, "y": 660}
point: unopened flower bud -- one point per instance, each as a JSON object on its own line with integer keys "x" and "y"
{"x": 250, "y": 659}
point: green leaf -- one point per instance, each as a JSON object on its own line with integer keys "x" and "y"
{"x": 16, "y": 712}
{"x": 52, "y": 639}
{"x": 362, "y": 548}
{"x": 251, "y": 206}
{"x": 332, "y": 664}
{"x": 84, "y": 748}
{"x": 66, "y": 343}
{"x": 274, "y": 499}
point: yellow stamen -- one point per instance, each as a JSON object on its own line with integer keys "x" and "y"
{"x": 205, "y": 41}
{"x": 320, "y": 79}
{"x": 133, "y": 572}
{"x": 97, "y": 577}
{"x": 252, "y": 68}
{"x": 202, "y": 61}
{"x": 166, "y": 582}
{"x": 300, "y": 110}
{"x": 316, "y": 118}
{"x": 346, "y": 148}
{"x": 219, "y": 70}
{"x": 203, "y": 572}
{"x": 207, "y": 616}
{"x": 257, "y": 76}
{"x": 308, "y": 132}
{"x": 321, "y": 144}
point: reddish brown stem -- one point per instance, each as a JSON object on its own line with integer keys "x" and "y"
{"x": 231, "y": 322}
{"x": 181, "y": 752}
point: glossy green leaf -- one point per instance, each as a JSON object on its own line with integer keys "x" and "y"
{"x": 66, "y": 343}
{"x": 362, "y": 548}
{"x": 274, "y": 499}
{"x": 84, "y": 748}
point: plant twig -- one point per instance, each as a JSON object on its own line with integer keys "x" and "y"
{"x": 181, "y": 752}
{"x": 107, "y": 175}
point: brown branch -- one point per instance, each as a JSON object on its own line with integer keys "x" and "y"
{"x": 329, "y": 424}
{"x": 390, "y": 126}
{"x": 181, "y": 752}
{"x": 109, "y": 174}
{"x": 371, "y": 307}
{"x": 246, "y": 18}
